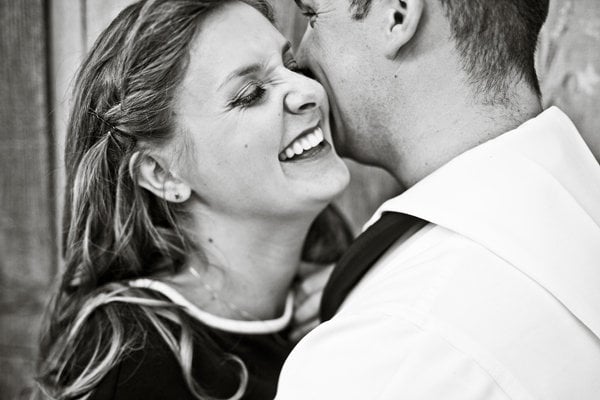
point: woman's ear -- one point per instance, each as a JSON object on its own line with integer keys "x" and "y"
{"x": 152, "y": 176}
{"x": 403, "y": 17}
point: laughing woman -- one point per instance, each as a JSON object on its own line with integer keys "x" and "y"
{"x": 197, "y": 162}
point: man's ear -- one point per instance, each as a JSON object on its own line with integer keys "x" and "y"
{"x": 152, "y": 176}
{"x": 402, "y": 18}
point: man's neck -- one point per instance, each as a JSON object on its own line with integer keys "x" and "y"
{"x": 445, "y": 127}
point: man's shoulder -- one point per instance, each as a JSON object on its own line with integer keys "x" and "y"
{"x": 423, "y": 263}
{"x": 370, "y": 355}
{"x": 431, "y": 245}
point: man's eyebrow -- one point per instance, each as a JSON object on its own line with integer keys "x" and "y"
{"x": 301, "y": 5}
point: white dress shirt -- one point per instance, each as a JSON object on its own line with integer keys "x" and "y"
{"x": 498, "y": 297}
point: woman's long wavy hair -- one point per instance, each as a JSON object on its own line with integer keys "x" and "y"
{"x": 113, "y": 230}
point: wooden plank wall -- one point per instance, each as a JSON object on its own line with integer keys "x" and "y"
{"x": 68, "y": 47}
{"x": 27, "y": 251}
{"x": 568, "y": 64}
{"x": 41, "y": 45}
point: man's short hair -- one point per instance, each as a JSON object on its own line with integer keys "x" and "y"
{"x": 496, "y": 40}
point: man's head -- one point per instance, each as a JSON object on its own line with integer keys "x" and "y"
{"x": 381, "y": 59}
{"x": 496, "y": 40}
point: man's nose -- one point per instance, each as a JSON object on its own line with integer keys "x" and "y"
{"x": 302, "y": 53}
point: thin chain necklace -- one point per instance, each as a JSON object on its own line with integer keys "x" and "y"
{"x": 215, "y": 296}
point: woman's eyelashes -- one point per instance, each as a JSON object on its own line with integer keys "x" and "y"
{"x": 253, "y": 92}
{"x": 250, "y": 95}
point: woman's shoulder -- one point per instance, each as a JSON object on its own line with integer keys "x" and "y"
{"x": 219, "y": 362}
{"x": 148, "y": 370}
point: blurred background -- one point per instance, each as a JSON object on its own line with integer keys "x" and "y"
{"x": 41, "y": 45}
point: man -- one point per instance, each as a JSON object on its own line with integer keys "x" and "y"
{"x": 482, "y": 280}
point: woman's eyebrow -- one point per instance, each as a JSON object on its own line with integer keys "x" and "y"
{"x": 252, "y": 68}
{"x": 239, "y": 72}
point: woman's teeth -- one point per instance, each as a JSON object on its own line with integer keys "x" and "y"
{"x": 302, "y": 144}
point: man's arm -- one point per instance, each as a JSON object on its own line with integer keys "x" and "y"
{"x": 374, "y": 356}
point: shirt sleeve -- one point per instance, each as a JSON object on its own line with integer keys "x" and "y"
{"x": 382, "y": 357}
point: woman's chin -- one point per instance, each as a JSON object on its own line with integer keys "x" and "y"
{"x": 321, "y": 174}
{"x": 324, "y": 186}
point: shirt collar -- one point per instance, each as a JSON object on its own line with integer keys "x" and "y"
{"x": 532, "y": 197}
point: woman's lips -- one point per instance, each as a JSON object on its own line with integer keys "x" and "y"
{"x": 309, "y": 154}
{"x": 304, "y": 145}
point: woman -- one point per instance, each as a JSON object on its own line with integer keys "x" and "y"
{"x": 197, "y": 160}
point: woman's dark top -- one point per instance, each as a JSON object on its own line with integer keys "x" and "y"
{"x": 152, "y": 372}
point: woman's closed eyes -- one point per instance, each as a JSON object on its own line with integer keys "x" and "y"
{"x": 250, "y": 95}
{"x": 254, "y": 91}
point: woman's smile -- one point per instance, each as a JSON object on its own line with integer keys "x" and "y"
{"x": 307, "y": 145}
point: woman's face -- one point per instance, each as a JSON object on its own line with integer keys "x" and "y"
{"x": 256, "y": 132}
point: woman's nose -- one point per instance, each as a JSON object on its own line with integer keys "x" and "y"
{"x": 303, "y": 96}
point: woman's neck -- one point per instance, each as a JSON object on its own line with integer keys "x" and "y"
{"x": 245, "y": 266}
